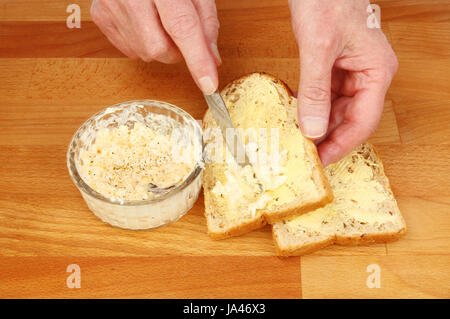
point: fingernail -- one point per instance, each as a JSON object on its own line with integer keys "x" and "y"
{"x": 215, "y": 50}
{"x": 207, "y": 85}
{"x": 314, "y": 127}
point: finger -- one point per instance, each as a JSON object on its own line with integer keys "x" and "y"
{"x": 182, "y": 23}
{"x": 152, "y": 41}
{"x": 114, "y": 36}
{"x": 337, "y": 115}
{"x": 103, "y": 19}
{"x": 118, "y": 41}
{"x": 314, "y": 95}
{"x": 338, "y": 110}
{"x": 360, "y": 121}
{"x": 338, "y": 77}
{"x": 207, "y": 13}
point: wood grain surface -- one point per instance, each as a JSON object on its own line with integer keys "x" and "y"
{"x": 53, "y": 78}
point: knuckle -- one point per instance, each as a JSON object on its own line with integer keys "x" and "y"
{"x": 211, "y": 22}
{"x": 101, "y": 3}
{"x": 336, "y": 145}
{"x": 314, "y": 36}
{"x": 364, "y": 129}
{"x": 324, "y": 43}
{"x": 96, "y": 14}
{"x": 384, "y": 73}
{"x": 393, "y": 62}
{"x": 97, "y": 11}
{"x": 183, "y": 26}
{"x": 388, "y": 65}
{"x": 315, "y": 94}
{"x": 145, "y": 58}
{"x": 385, "y": 76}
{"x": 135, "y": 8}
{"x": 156, "y": 49}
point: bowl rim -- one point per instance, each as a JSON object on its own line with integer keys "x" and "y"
{"x": 86, "y": 189}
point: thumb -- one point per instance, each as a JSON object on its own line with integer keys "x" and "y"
{"x": 314, "y": 95}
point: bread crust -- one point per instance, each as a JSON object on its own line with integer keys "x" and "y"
{"x": 337, "y": 240}
{"x": 283, "y": 213}
{"x": 302, "y": 250}
{"x": 356, "y": 240}
{"x": 365, "y": 239}
{"x": 245, "y": 76}
{"x": 238, "y": 230}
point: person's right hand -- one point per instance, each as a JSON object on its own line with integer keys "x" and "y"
{"x": 165, "y": 31}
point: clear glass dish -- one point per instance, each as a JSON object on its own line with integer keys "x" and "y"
{"x": 137, "y": 214}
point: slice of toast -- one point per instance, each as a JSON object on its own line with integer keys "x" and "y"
{"x": 292, "y": 175}
{"x": 364, "y": 209}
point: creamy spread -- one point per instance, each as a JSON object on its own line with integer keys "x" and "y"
{"x": 242, "y": 184}
{"x": 126, "y": 148}
{"x": 358, "y": 195}
{"x": 271, "y": 112}
{"x": 122, "y": 161}
{"x": 314, "y": 220}
{"x": 272, "y": 137}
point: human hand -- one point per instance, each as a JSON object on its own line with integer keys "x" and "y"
{"x": 164, "y": 31}
{"x": 346, "y": 69}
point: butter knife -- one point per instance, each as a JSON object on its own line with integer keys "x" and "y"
{"x": 222, "y": 117}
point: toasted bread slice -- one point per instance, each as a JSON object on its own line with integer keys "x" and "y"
{"x": 293, "y": 178}
{"x": 364, "y": 209}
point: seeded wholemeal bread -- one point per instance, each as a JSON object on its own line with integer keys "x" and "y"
{"x": 286, "y": 163}
{"x": 364, "y": 209}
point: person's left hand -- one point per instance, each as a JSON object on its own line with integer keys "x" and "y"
{"x": 346, "y": 69}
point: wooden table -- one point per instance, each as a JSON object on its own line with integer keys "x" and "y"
{"x": 53, "y": 78}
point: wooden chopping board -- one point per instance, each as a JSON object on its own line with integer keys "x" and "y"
{"x": 53, "y": 78}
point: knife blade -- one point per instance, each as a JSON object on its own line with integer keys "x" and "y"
{"x": 223, "y": 120}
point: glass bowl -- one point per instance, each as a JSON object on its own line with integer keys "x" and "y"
{"x": 138, "y": 214}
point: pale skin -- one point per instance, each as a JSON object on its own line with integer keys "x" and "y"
{"x": 345, "y": 67}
